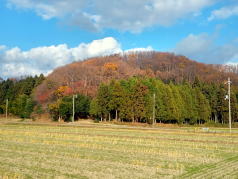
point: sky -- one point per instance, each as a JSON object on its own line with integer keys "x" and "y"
{"x": 37, "y": 36}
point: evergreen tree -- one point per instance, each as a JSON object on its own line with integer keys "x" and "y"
{"x": 117, "y": 93}
{"x": 189, "y": 111}
{"x": 29, "y": 107}
{"x": 234, "y": 107}
{"x": 139, "y": 94}
{"x": 127, "y": 107}
{"x": 203, "y": 107}
{"x": 22, "y": 106}
{"x": 171, "y": 111}
{"x": 95, "y": 109}
{"x": 160, "y": 104}
{"x": 82, "y": 106}
{"x": 179, "y": 110}
{"x": 104, "y": 100}
{"x": 222, "y": 105}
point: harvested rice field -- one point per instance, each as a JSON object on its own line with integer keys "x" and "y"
{"x": 110, "y": 151}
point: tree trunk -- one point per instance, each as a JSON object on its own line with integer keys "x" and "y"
{"x": 215, "y": 118}
{"x": 101, "y": 117}
{"x": 109, "y": 116}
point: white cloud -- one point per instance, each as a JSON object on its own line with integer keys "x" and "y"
{"x": 224, "y": 13}
{"x": 125, "y": 15}
{"x": 202, "y": 48}
{"x": 15, "y": 62}
{"x": 106, "y": 46}
{"x": 147, "y": 49}
{"x": 2, "y": 47}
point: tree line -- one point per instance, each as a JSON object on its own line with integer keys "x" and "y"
{"x": 136, "y": 99}
{"x": 146, "y": 99}
{"x": 19, "y": 93}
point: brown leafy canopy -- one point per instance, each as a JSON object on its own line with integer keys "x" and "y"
{"x": 85, "y": 76}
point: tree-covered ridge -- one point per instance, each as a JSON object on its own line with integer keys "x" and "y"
{"x": 19, "y": 93}
{"x": 133, "y": 100}
{"x": 84, "y": 77}
{"x": 136, "y": 87}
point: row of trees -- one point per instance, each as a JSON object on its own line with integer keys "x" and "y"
{"x": 62, "y": 108}
{"x": 136, "y": 99}
{"x": 142, "y": 99}
{"x": 19, "y": 94}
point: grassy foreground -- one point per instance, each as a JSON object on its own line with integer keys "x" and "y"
{"x": 98, "y": 151}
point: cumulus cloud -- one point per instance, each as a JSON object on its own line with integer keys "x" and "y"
{"x": 2, "y": 47}
{"x": 125, "y": 15}
{"x": 15, "y": 62}
{"x": 147, "y": 49}
{"x": 202, "y": 48}
{"x": 224, "y": 13}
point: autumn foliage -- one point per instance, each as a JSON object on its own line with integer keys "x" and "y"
{"x": 84, "y": 77}
{"x": 111, "y": 66}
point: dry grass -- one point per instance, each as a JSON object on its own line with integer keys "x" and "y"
{"x": 109, "y": 151}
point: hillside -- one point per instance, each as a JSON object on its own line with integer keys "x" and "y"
{"x": 85, "y": 76}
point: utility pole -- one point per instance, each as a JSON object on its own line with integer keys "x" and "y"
{"x": 74, "y": 96}
{"x": 229, "y": 101}
{"x": 6, "y": 108}
{"x": 154, "y": 121}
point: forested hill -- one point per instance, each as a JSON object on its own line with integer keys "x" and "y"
{"x": 84, "y": 77}
{"x": 134, "y": 87}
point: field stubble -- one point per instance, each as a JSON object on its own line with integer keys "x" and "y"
{"x": 44, "y": 151}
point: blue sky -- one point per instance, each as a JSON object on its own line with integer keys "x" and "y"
{"x": 40, "y": 35}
